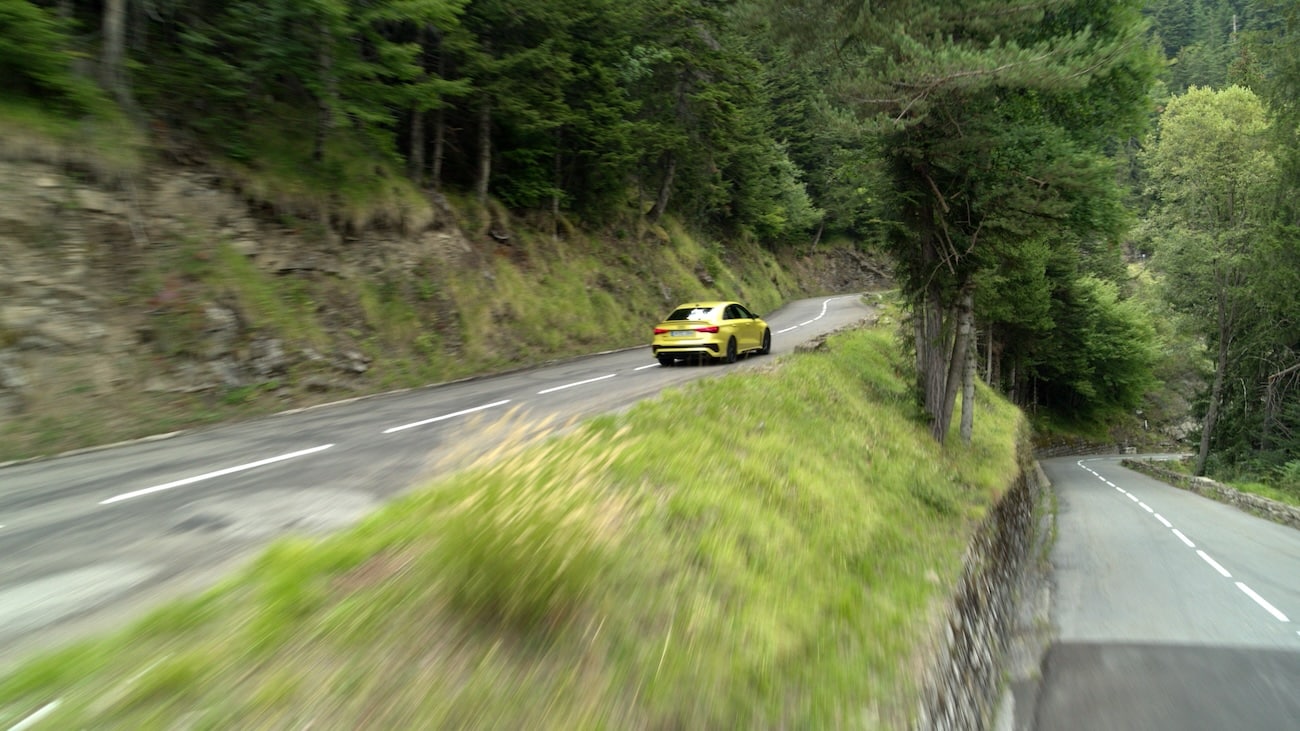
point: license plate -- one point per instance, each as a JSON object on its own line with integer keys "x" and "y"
{"x": 683, "y": 333}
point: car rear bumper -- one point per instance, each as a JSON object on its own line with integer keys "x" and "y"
{"x": 710, "y": 348}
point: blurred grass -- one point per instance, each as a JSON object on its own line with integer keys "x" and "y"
{"x": 766, "y": 549}
{"x": 103, "y": 141}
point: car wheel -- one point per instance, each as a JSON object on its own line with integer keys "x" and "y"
{"x": 767, "y": 343}
{"x": 665, "y": 360}
{"x": 731, "y": 350}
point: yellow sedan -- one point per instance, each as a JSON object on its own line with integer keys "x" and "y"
{"x": 720, "y": 330}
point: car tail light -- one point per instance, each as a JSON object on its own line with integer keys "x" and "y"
{"x": 660, "y": 330}
{"x": 707, "y": 329}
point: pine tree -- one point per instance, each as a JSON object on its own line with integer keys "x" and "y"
{"x": 995, "y": 117}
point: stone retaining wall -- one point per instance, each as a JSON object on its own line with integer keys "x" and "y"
{"x": 967, "y": 674}
{"x": 1254, "y": 504}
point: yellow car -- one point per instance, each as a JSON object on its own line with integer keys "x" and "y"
{"x": 720, "y": 330}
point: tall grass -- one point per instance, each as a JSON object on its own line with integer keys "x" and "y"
{"x": 766, "y": 549}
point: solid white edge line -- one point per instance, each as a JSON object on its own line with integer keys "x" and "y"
{"x": 788, "y": 329}
{"x": 1184, "y": 538}
{"x": 36, "y": 717}
{"x": 577, "y": 383}
{"x": 1206, "y": 557}
{"x": 210, "y": 475}
{"x": 1260, "y": 601}
{"x": 462, "y": 412}
{"x": 806, "y": 322}
{"x": 1162, "y": 519}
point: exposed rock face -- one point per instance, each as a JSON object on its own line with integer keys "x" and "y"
{"x": 73, "y": 313}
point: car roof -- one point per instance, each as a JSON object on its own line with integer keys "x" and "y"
{"x": 709, "y": 304}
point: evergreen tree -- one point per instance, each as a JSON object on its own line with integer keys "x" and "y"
{"x": 995, "y": 117}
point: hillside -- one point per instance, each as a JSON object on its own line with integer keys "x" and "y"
{"x": 172, "y": 297}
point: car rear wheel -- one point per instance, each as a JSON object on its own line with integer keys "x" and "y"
{"x": 665, "y": 360}
{"x": 731, "y": 350}
{"x": 767, "y": 343}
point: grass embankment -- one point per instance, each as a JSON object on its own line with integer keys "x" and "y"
{"x": 102, "y": 141}
{"x": 767, "y": 549}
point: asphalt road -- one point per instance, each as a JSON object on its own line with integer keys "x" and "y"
{"x": 1171, "y": 611}
{"x": 88, "y": 541}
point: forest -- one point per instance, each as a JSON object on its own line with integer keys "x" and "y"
{"x": 1084, "y": 200}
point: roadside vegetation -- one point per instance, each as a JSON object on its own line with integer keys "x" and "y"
{"x": 766, "y": 549}
{"x": 1281, "y": 484}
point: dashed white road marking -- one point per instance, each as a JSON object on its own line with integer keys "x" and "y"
{"x": 825, "y": 304}
{"x": 575, "y": 383}
{"x": 1263, "y": 603}
{"x": 453, "y": 415}
{"x": 652, "y": 365}
{"x": 210, "y": 475}
{"x": 1222, "y": 571}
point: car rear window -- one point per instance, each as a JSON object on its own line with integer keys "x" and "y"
{"x": 691, "y": 313}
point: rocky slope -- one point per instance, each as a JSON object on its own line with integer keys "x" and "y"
{"x": 114, "y": 322}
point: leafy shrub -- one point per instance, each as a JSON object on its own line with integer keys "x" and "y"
{"x": 1288, "y": 476}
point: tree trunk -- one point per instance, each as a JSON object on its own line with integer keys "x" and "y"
{"x": 325, "y": 101}
{"x": 665, "y": 187}
{"x": 113, "y": 58}
{"x": 415, "y": 156}
{"x": 415, "y": 162}
{"x": 484, "y": 150}
{"x": 556, "y": 174}
{"x": 439, "y": 120}
{"x": 968, "y": 376}
{"x": 439, "y": 148}
{"x": 956, "y": 366}
{"x": 988, "y": 357}
{"x": 1212, "y": 411}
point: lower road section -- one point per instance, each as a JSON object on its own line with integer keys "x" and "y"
{"x": 1170, "y": 611}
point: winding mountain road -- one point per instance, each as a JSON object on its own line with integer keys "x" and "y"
{"x": 88, "y": 541}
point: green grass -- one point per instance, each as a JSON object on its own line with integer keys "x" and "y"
{"x": 1290, "y": 497}
{"x": 765, "y": 549}
{"x": 103, "y": 141}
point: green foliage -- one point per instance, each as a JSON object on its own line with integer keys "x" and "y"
{"x": 1215, "y": 178}
{"x": 995, "y": 122}
{"x": 36, "y": 59}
